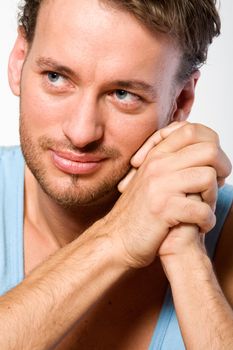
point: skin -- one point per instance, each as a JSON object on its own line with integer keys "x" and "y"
{"x": 83, "y": 110}
{"x": 85, "y": 115}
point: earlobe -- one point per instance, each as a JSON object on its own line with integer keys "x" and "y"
{"x": 185, "y": 98}
{"x": 16, "y": 61}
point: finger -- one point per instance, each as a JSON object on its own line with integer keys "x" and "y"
{"x": 193, "y": 228}
{"x": 152, "y": 141}
{"x": 198, "y": 183}
{"x": 186, "y": 135}
{"x": 195, "y": 197}
{"x": 188, "y": 234}
{"x": 195, "y": 155}
{"x": 189, "y": 211}
{"x": 123, "y": 184}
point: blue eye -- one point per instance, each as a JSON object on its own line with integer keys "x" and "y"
{"x": 126, "y": 97}
{"x": 121, "y": 94}
{"x": 53, "y": 77}
{"x": 56, "y": 82}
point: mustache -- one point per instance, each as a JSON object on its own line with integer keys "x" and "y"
{"x": 95, "y": 148}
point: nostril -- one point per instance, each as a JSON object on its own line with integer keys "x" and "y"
{"x": 82, "y": 136}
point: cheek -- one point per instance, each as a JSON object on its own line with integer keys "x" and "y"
{"x": 129, "y": 133}
{"x": 44, "y": 114}
{"x": 40, "y": 110}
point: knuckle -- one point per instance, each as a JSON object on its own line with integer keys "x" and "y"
{"x": 167, "y": 212}
{"x": 204, "y": 212}
{"x": 150, "y": 169}
{"x": 155, "y": 166}
{"x": 215, "y": 137}
{"x": 207, "y": 218}
{"x": 228, "y": 166}
{"x": 210, "y": 177}
{"x": 190, "y": 131}
{"x": 204, "y": 176}
{"x": 158, "y": 207}
{"x": 194, "y": 174}
{"x": 212, "y": 151}
{"x": 190, "y": 209}
{"x": 188, "y": 175}
{"x": 201, "y": 213}
{"x": 211, "y": 133}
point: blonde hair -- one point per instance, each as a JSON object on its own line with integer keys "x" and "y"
{"x": 192, "y": 23}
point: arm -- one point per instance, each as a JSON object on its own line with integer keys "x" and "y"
{"x": 38, "y": 312}
{"x": 204, "y": 315}
{"x": 56, "y": 295}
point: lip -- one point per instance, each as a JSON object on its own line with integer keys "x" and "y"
{"x": 74, "y": 164}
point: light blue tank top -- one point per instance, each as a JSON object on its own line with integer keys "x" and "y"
{"x": 167, "y": 335}
{"x": 11, "y": 217}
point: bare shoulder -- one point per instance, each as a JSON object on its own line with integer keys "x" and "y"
{"x": 223, "y": 260}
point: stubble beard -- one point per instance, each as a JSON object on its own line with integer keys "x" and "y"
{"x": 75, "y": 191}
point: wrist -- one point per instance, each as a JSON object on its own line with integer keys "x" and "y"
{"x": 101, "y": 235}
{"x": 192, "y": 262}
{"x": 195, "y": 289}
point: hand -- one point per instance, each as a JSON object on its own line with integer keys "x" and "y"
{"x": 187, "y": 160}
{"x": 203, "y": 134}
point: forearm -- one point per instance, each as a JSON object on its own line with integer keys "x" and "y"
{"x": 38, "y": 313}
{"x": 204, "y": 315}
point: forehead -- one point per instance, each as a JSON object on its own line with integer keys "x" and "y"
{"x": 91, "y": 34}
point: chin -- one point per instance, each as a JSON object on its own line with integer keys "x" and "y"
{"x": 69, "y": 190}
{"x": 72, "y": 191}
{"x": 78, "y": 195}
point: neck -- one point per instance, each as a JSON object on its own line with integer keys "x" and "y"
{"x": 61, "y": 224}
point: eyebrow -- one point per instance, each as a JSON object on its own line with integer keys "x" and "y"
{"x": 135, "y": 84}
{"x": 47, "y": 62}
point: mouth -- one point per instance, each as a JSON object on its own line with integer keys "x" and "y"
{"x": 76, "y": 164}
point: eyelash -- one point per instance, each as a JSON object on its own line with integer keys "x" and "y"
{"x": 125, "y": 104}
{"x": 137, "y": 99}
{"x": 49, "y": 83}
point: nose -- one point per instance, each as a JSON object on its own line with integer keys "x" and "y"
{"x": 83, "y": 123}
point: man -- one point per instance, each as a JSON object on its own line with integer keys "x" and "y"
{"x": 101, "y": 82}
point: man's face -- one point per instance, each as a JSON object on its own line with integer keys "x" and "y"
{"x": 95, "y": 85}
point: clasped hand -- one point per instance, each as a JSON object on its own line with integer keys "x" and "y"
{"x": 157, "y": 202}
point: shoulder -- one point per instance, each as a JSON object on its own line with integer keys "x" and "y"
{"x": 11, "y": 159}
{"x": 11, "y": 217}
{"x": 11, "y": 177}
{"x": 223, "y": 260}
{"x": 9, "y": 151}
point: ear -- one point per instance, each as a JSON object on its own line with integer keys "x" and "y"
{"x": 184, "y": 100}
{"x": 16, "y": 61}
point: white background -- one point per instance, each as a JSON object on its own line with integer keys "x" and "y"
{"x": 214, "y": 99}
